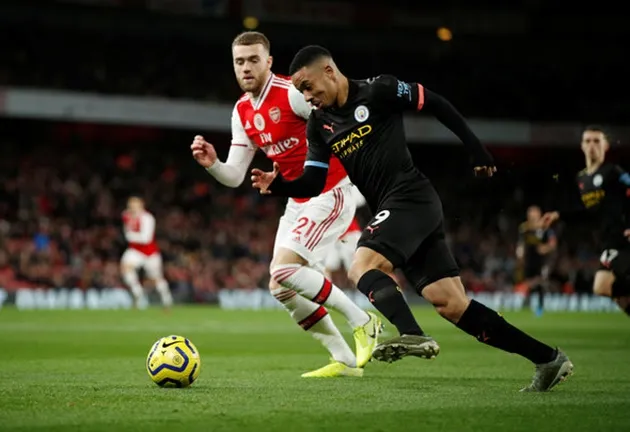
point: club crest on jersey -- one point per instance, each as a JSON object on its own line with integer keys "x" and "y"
{"x": 274, "y": 114}
{"x": 259, "y": 122}
{"x": 598, "y": 180}
{"x": 361, "y": 114}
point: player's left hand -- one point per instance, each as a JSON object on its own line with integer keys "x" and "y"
{"x": 485, "y": 171}
{"x": 261, "y": 179}
{"x": 627, "y": 233}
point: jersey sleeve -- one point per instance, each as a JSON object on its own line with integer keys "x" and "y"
{"x": 319, "y": 152}
{"x": 300, "y": 107}
{"x": 392, "y": 92}
{"x": 239, "y": 136}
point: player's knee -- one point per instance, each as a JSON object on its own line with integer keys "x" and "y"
{"x": 365, "y": 260}
{"x": 603, "y": 283}
{"x": 448, "y": 297}
{"x": 281, "y": 274}
{"x": 273, "y": 285}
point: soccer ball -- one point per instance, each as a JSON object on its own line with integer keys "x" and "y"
{"x": 173, "y": 361}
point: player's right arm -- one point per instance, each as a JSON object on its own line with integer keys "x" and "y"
{"x": 232, "y": 172}
{"x": 313, "y": 179}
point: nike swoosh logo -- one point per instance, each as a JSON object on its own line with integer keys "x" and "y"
{"x": 166, "y": 345}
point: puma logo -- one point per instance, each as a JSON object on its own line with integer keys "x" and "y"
{"x": 329, "y": 128}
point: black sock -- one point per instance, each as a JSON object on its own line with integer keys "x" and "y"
{"x": 384, "y": 294}
{"x": 490, "y": 328}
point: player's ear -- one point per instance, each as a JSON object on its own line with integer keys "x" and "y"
{"x": 329, "y": 72}
{"x": 269, "y": 61}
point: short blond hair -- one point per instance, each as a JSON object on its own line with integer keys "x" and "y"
{"x": 252, "y": 38}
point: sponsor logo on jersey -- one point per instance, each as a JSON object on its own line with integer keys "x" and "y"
{"x": 351, "y": 142}
{"x": 281, "y": 146}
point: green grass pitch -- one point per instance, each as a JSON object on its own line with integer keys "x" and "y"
{"x": 85, "y": 371}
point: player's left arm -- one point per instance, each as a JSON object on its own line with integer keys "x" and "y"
{"x": 313, "y": 179}
{"x": 147, "y": 229}
{"x": 416, "y": 97}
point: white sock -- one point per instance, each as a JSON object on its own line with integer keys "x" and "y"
{"x": 316, "y": 320}
{"x": 165, "y": 292}
{"x": 313, "y": 285}
{"x": 132, "y": 281}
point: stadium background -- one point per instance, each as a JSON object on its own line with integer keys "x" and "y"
{"x": 91, "y": 112}
{"x": 102, "y": 98}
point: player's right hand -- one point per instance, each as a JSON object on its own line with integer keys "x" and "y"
{"x": 261, "y": 180}
{"x": 203, "y": 152}
{"x": 549, "y": 218}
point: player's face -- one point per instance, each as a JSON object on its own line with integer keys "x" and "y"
{"x": 135, "y": 205}
{"x": 533, "y": 214}
{"x": 317, "y": 83}
{"x": 594, "y": 145}
{"x": 252, "y": 65}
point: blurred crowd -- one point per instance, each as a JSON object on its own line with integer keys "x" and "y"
{"x": 60, "y": 224}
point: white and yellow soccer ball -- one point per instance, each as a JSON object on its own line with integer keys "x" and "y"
{"x": 173, "y": 361}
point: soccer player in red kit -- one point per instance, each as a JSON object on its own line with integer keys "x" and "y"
{"x": 271, "y": 116}
{"x": 142, "y": 252}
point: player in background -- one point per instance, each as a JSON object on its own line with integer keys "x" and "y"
{"x": 604, "y": 205}
{"x": 142, "y": 252}
{"x": 341, "y": 254}
{"x": 406, "y": 232}
{"x": 535, "y": 244}
{"x": 271, "y": 115}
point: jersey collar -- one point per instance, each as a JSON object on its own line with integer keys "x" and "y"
{"x": 257, "y": 102}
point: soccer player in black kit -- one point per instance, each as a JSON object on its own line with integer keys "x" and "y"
{"x": 360, "y": 121}
{"x": 535, "y": 243}
{"x": 604, "y": 205}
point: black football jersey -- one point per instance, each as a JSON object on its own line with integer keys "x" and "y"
{"x": 367, "y": 135}
{"x": 531, "y": 238}
{"x": 605, "y": 194}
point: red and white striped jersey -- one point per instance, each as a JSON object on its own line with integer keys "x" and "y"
{"x": 275, "y": 122}
{"x": 140, "y": 232}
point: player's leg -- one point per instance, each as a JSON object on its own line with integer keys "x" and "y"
{"x": 613, "y": 278}
{"x": 607, "y": 284}
{"x": 319, "y": 224}
{"x": 370, "y": 272}
{"x": 434, "y": 272}
{"x": 130, "y": 262}
{"x": 536, "y": 290}
{"x": 332, "y": 260}
{"x": 311, "y": 316}
{"x": 388, "y": 240}
{"x": 347, "y": 248}
{"x": 153, "y": 267}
